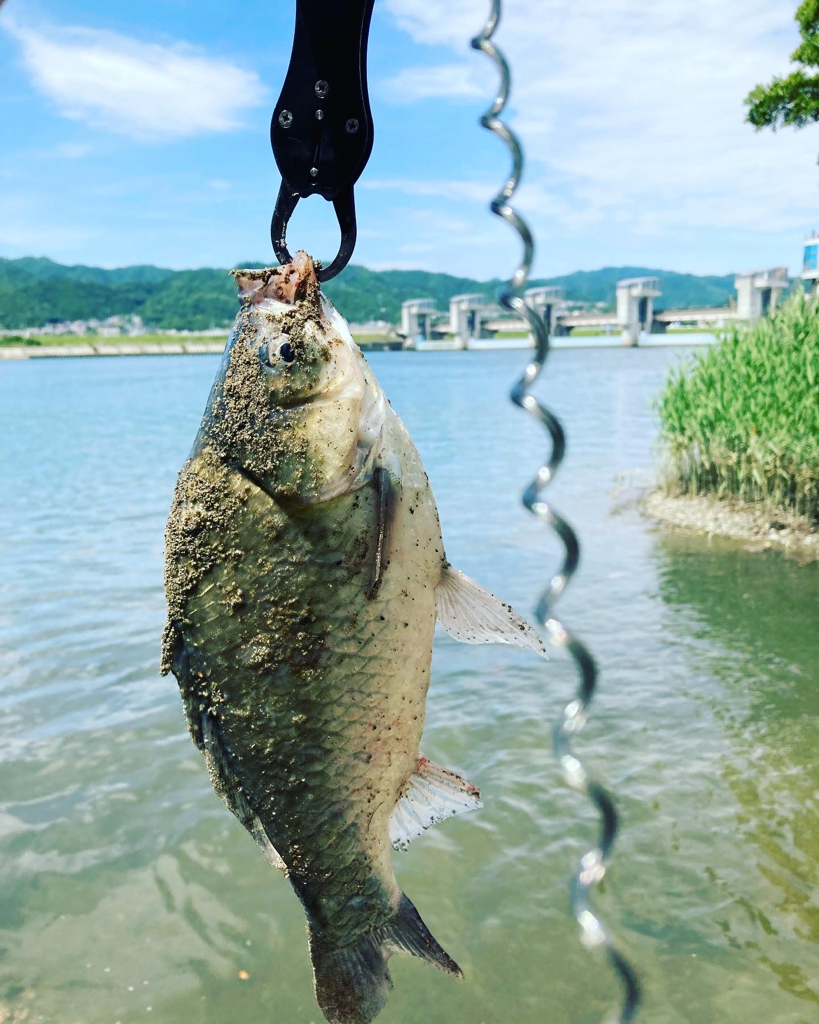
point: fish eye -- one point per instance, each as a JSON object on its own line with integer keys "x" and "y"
{"x": 270, "y": 359}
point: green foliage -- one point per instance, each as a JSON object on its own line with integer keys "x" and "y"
{"x": 742, "y": 419}
{"x": 37, "y": 291}
{"x": 192, "y": 300}
{"x": 16, "y": 340}
{"x": 794, "y": 99}
{"x": 34, "y": 292}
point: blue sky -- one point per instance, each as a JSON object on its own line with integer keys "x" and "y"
{"x": 137, "y": 132}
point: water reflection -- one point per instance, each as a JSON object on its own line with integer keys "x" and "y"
{"x": 761, "y": 608}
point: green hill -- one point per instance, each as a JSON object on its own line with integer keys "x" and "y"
{"x": 680, "y": 291}
{"x": 36, "y": 291}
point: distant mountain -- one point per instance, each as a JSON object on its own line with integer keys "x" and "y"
{"x": 679, "y": 290}
{"x": 40, "y": 268}
{"x": 35, "y": 291}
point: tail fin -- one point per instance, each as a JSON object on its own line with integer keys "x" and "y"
{"x": 352, "y": 983}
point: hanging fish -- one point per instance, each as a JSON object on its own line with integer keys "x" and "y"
{"x": 304, "y": 573}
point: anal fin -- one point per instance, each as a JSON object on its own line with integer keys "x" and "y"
{"x": 432, "y": 794}
{"x": 472, "y": 615}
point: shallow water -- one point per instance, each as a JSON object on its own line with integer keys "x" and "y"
{"x": 128, "y": 893}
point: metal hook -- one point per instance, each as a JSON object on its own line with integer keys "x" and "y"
{"x": 344, "y": 205}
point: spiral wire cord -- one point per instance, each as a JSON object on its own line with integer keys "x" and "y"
{"x": 593, "y": 865}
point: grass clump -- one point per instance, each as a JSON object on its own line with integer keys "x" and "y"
{"x": 742, "y": 419}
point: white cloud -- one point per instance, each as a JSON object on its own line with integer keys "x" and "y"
{"x": 147, "y": 91}
{"x": 453, "y": 24}
{"x": 632, "y": 113}
{"x": 532, "y": 196}
{"x": 455, "y": 81}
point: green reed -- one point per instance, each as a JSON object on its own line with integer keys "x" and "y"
{"x": 742, "y": 419}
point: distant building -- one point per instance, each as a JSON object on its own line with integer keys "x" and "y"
{"x": 810, "y": 264}
{"x": 113, "y": 326}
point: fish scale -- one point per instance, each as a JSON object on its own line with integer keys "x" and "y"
{"x": 361, "y": 697}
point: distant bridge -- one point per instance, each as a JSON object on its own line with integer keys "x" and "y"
{"x": 565, "y": 323}
{"x": 472, "y": 318}
{"x": 704, "y": 317}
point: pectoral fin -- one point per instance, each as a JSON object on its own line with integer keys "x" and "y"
{"x": 273, "y": 856}
{"x": 385, "y": 505}
{"x": 432, "y": 794}
{"x": 472, "y": 615}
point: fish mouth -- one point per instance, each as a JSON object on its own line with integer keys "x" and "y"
{"x": 288, "y": 284}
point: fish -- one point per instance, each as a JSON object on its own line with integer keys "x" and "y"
{"x": 305, "y": 571}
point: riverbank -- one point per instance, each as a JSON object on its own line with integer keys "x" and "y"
{"x": 125, "y": 348}
{"x": 145, "y": 345}
{"x": 760, "y": 527}
{"x": 175, "y": 345}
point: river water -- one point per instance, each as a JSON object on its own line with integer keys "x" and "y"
{"x": 129, "y": 894}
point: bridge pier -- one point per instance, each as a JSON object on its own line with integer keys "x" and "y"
{"x": 467, "y": 314}
{"x": 635, "y": 306}
{"x": 759, "y": 291}
{"x": 544, "y": 302}
{"x": 416, "y": 320}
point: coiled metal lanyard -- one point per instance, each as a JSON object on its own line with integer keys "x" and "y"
{"x": 322, "y": 129}
{"x": 593, "y": 865}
